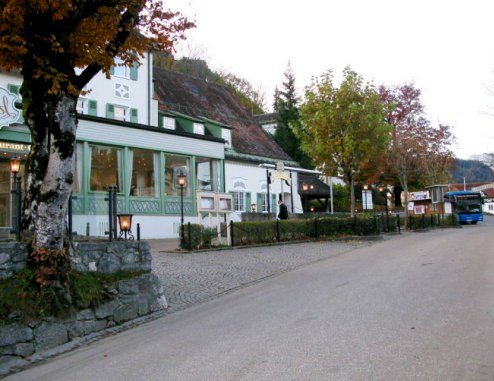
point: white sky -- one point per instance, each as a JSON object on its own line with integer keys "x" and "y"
{"x": 445, "y": 47}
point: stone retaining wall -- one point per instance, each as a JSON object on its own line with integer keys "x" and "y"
{"x": 21, "y": 344}
{"x": 12, "y": 258}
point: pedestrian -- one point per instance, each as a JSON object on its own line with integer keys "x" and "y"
{"x": 283, "y": 210}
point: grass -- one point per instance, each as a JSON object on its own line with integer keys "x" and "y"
{"x": 21, "y": 300}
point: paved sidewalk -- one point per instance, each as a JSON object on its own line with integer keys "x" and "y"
{"x": 190, "y": 278}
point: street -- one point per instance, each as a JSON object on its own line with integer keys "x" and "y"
{"x": 414, "y": 307}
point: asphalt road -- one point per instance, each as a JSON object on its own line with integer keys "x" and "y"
{"x": 414, "y": 307}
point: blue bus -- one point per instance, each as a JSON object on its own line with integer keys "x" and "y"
{"x": 467, "y": 205}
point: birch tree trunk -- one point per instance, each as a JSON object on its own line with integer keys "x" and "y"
{"x": 52, "y": 121}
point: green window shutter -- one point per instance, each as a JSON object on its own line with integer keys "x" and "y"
{"x": 110, "y": 111}
{"x": 247, "y": 201}
{"x": 259, "y": 202}
{"x": 13, "y": 88}
{"x": 273, "y": 203}
{"x": 133, "y": 115}
{"x": 92, "y": 108}
{"x": 133, "y": 72}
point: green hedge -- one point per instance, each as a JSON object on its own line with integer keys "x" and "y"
{"x": 196, "y": 236}
{"x": 252, "y": 232}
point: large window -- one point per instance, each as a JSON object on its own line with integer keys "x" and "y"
{"x": 121, "y": 113}
{"x": 144, "y": 173}
{"x": 227, "y": 135}
{"x": 174, "y": 166}
{"x": 77, "y": 184}
{"x": 119, "y": 70}
{"x": 207, "y": 174}
{"x": 238, "y": 201}
{"x": 199, "y": 128}
{"x": 168, "y": 123}
{"x": 106, "y": 168}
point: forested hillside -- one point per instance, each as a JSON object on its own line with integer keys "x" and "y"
{"x": 472, "y": 171}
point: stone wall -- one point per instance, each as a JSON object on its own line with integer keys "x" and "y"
{"x": 109, "y": 257}
{"x": 12, "y": 258}
{"x": 99, "y": 256}
{"x": 22, "y": 344}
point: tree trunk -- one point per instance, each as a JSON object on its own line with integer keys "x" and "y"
{"x": 404, "y": 185}
{"x": 352, "y": 196}
{"x": 50, "y": 170}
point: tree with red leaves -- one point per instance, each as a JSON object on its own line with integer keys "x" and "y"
{"x": 418, "y": 152}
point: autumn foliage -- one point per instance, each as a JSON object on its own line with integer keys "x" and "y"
{"x": 53, "y": 37}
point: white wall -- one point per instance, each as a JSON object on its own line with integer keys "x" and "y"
{"x": 152, "y": 227}
{"x": 102, "y": 90}
{"x": 253, "y": 178}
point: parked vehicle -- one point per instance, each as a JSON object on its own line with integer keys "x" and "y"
{"x": 467, "y": 205}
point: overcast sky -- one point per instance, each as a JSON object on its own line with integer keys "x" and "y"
{"x": 446, "y": 48}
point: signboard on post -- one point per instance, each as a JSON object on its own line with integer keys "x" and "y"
{"x": 367, "y": 200}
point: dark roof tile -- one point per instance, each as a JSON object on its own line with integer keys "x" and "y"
{"x": 197, "y": 98}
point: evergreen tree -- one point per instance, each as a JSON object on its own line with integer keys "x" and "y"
{"x": 285, "y": 105}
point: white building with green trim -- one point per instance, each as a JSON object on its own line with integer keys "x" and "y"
{"x": 139, "y": 130}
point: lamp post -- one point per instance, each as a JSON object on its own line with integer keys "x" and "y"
{"x": 182, "y": 182}
{"x": 386, "y": 193}
{"x": 305, "y": 188}
{"x": 15, "y": 165}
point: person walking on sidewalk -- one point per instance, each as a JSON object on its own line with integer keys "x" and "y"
{"x": 283, "y": 210}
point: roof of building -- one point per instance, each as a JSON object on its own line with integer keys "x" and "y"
{"x": 197, "y": 98}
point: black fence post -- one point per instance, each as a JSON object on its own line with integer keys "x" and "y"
{"x": 189, "y": 233}
{"x": 138, "y": 232}
{"x": 17, "y": 209}
{"x": 115, "y": 212}
{"x": 232, "y": 233}
{"x": 70, "y": 214}
{"x": 398, "y": 222}
{"x": 110, "y": 212}
{"x": 278, "y": 230}
{"x": 423, "y": 221}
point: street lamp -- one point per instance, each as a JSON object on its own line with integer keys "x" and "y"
{"x": 15, "y": 165}
{"x": 125, "y": 223}
{"x": 386, "y": 193}
{"x": 182, "y": 182}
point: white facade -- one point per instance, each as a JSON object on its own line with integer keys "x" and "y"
{"x": 250, "y": 180}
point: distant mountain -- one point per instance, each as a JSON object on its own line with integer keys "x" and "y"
{"x": 471, "y": 171}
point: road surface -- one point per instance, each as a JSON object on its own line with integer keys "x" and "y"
{"x": 414, "y": 307}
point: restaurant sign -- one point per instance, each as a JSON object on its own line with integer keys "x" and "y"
{"x": 8, "y": 113}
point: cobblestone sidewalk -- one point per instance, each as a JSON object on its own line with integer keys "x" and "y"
{"x": 189, "y": 278}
